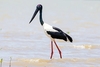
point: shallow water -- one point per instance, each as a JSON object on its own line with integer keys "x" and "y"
{"x": 26, "y": 45}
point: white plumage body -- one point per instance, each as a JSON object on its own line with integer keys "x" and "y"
{"x": 48, "y": 27}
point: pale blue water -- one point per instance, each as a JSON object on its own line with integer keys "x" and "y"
{"x": 27, "y": 44}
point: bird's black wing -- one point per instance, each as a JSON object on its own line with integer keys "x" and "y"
{"x": 58, "y": 29}
{"x": 67, "y": 36}
{"x": 57, "y": 35}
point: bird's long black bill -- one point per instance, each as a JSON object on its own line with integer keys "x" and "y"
{"x": 36, "y": 11}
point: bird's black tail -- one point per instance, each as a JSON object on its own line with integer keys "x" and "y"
{"x": 69, "y": 38}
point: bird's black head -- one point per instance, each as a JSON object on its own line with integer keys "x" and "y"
{"x": 38, "y": 8}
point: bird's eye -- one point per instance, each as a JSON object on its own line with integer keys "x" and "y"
{"x": 40, "y": 6}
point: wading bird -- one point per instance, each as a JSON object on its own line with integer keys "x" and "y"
{"x": 52, "y": 32}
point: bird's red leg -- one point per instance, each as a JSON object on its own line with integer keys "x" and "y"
{"x": 58, "y": 49}
{"x": 51, "y": 49}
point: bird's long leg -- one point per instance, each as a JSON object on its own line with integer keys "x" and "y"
{"x": 51, "y": 49}
{"x": 58, "y": 49}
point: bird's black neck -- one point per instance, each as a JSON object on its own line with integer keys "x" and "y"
{"x": 41, "y": 20}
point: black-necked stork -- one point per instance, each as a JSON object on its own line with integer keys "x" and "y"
{"x": 52, "y": 32}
